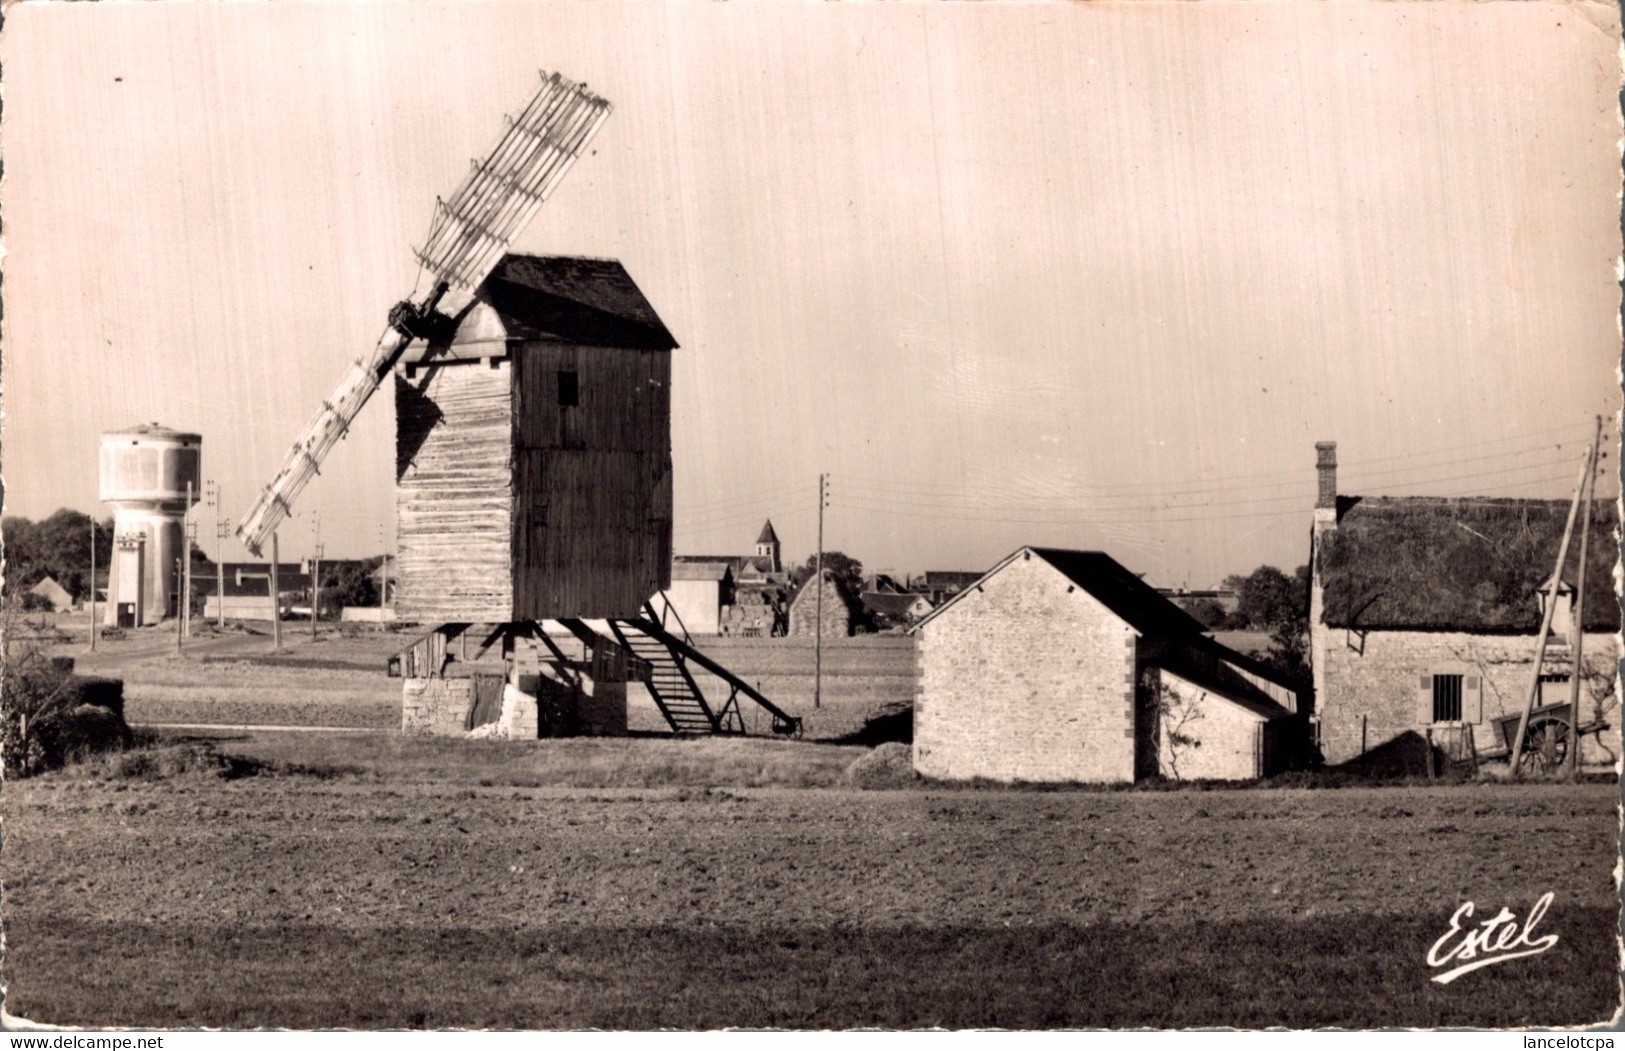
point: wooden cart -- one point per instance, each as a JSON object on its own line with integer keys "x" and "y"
{"x": 1546, "y": 743}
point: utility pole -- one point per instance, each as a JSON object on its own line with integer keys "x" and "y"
{"x": 315, "y": 569}
{"x": 218, "y": 502}
{"x": 179, "y": 623}
{"x": 1590, "y": 494}
{"x": 188, "y": 538}
{"x": 93, "y": 583}
{"x": 1546, "y": 620}
{"x": 383, "y": 588}
{"x": 315, "y": 588}
{"x": 818, "y": 597}
{"x": 276, "y": 598}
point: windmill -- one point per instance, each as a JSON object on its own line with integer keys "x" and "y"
{"x": 533, "y": 466}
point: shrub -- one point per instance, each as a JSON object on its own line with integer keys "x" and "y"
{"x": 890, "y": 765}
{"x": 52, "y": 717}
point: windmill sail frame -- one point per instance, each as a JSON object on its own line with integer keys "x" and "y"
{"x": 470, "y": 232}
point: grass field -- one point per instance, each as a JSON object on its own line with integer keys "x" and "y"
{"x": 368, "y": 881}
{"x": 338, "y": 679}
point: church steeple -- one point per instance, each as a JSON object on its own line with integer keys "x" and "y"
{"x": 767, "y": 546}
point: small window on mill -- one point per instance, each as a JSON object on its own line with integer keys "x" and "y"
{"x": 1447, "y": 698}
{"x": 569, "y": 388}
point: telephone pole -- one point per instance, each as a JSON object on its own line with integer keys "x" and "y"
{"x": 1551, "y": 589}
{"x": 818, "y": 597}
{"x": 315, "y": 588}
{"x": 93, "y": 583}
{"x": 1590, "y": 494}
{"x": 188, "y": 535}
{"x": 276, "y": 598}
{"x": 180, "y": 624}
{"x": 383, "y": 587}
{"x": 218, "y": 502}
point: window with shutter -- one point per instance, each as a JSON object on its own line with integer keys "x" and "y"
{"x": 1424, "y": 701}
{"x": 1472, "y": 699}
{"x": 1447, "y": 691}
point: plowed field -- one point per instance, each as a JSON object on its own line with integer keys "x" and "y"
{"x": 404, "y": 889}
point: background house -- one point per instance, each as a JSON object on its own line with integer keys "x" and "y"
{"x": 1065, "y": 666}
{"x": 892, "y": 609}
{"x": 753, "y": 601}
{"x": 698, "y": 594}
{"x": 57, "y": 595}
{"x": 1424, "y": 613}
{"x": 939, "y": 585}
{"x": 247, "y": 594}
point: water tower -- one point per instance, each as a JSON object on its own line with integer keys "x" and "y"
{"x": 145, "y": 471}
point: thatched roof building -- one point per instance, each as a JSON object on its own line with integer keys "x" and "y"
{"x": 1423, "y": 563}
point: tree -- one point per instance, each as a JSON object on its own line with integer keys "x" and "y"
{"x": 1206, "y": 611}
{"x": 847, "y": 571}
{"x": 1268, "y": 597}
{"x": 1269, "y": 600}
{"x": 351, "y": 583}
{"x": 58, "y": 546}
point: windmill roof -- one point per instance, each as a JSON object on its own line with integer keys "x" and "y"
{"x": 1426, "y": 563}
{"x": 590, "y": 302}
{"x": 767, "y": 536}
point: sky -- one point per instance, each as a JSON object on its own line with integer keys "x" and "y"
{"x": 1076, "y": 275}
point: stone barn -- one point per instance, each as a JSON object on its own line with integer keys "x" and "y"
{"x": 1063, "y": 666}
{"x": 839, "y": 611}
{"x": 1424, "y": 615}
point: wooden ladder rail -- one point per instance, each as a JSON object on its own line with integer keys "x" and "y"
{"x": 592, "y": 639}
{"x": 783, "y": 722}
{"x": 682, "y": 668}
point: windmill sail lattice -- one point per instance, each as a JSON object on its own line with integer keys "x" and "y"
{"x": 470, "y": 232}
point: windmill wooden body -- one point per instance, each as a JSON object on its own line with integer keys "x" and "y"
{"x": 533, "y": 467}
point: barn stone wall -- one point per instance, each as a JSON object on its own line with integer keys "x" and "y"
{"x": 837, "y": 615}
{"x": 538, "y": 706}
{"x": 1028, "y": 679}
{"x": 1376, "y": 677}
{"x": 436, "y": 707}
{"x": 1201, "y": 736}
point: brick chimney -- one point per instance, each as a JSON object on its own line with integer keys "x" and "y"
{"x": 1326, "y": 470}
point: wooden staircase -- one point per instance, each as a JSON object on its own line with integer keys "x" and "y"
{"x": 672, "y": 686}
{"x": 641, "y": 649}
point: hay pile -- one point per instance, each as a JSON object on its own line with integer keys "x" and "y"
{"x": 890, "y": 765}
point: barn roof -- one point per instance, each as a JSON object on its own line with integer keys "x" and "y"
{"x": 1425, "y": 563}
{"x": 1103, "y": 577}
{"x": 689, "y": 570}
{"x": 1122, "y": 592}
{"x": 589, "y": 302}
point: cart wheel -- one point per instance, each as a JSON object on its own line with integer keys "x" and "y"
{"x": 1545, "y": 746}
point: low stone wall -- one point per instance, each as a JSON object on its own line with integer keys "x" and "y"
{"x": 436, "y": 707}
{"x": 538, "y": 707}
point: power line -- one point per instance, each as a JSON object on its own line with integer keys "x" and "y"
{"x": 978, "y": 500}
{"x": 1299, "y": 480}
{"x": 1146, "y": 516}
